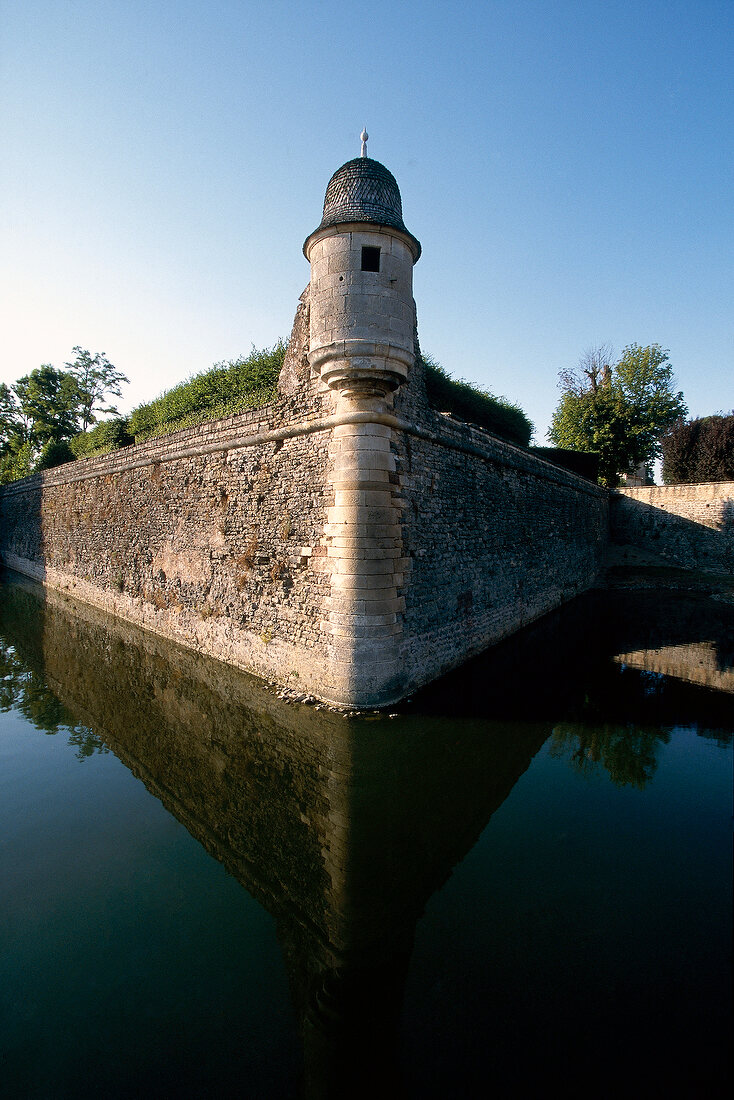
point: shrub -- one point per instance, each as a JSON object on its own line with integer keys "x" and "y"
{"x": 106, "y": 436}
{"x": 584, "y": 463}
{"x": 55, "y": 453}
{"x": 496, "y": 414}
{"x": 699, "y": 450}
{"x": 225, "y": 389}
{"x": 16, "y": 463}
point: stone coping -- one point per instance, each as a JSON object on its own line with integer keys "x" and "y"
{"x": 459, "y": 436}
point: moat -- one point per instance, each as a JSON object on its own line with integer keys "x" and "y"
{"x": 517, "y": 881}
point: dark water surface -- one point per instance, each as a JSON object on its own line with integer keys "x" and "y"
{"x": 519, "y": 884}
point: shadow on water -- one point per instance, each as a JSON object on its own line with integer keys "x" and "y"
{"x": 344, "y": 828}
{"x": 536, "y": 674}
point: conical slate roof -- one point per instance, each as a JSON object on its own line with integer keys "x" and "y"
{"x": 363, "y": 190}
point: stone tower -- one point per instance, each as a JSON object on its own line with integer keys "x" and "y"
{"x": 362, "y": 256}
{"x": 362, "y": 344}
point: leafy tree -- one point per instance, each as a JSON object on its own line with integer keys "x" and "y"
{"x": 49, "y": 402}
{"x": 54, "y": 453}
{"x": 95, "y": 377}
{"x": 17, "y": 461}
{"x": 46, "y": 408}
{"x": 619, "y": 410}
{"x": 11, "y": 424}
{"x": 699, "y": 450}
{"x": 645, "y": 379}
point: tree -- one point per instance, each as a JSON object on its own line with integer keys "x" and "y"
{"x": 620, "y": 409}
{"x": 46, "y": 408}
{"x": 16, "y": 461}
{"x": 49, "y": 403}
{"x": 11, "y": 423}
{"x": 95, "y": 377}
{"x": 699, "y": 450}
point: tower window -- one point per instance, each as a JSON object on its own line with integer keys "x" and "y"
{"x": 370, "y": 258}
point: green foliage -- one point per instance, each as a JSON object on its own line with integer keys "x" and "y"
{"x": 601, "y": 423}
{"x": 645, "y": 380}
{"x": 699, "y": 450}
{"x": 95, "y": 377}
{"x": 54, "y": 453}
{"x": 621, "y": 410}
{"x": 497, "y": 415}
{"x": 11, "y": 424}
{"x": 16, "y": 461}
{"x": 584, "y": 463}
{"x": 106, "y": 436}
{"x": 43, "y": 410}
{"x": 225, "y": 389}
{"x": 49, "y": 404}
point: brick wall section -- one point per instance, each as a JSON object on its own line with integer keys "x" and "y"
{"x": 688, "y": 525}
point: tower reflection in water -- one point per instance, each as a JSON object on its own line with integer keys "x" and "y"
{"x": 342, "y": 828}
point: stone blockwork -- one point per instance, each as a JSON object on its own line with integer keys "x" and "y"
{"x": 493, "y": 538}
{"x": 211, "y": 536}
{"x": 349, "y": 545}
{"x": 348, "y": 541}
{"x": 687, "y": 525}
{"x": 353, "y": 555}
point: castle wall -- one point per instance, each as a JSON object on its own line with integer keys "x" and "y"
{"x": 209, "y": 536}
{"x": 687, "y": 525}
{"x": 494, "y": 537}
{"x": 222, "y": 537}
{"x": 257, "y": 540}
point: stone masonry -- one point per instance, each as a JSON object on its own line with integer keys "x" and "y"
{"x": 348, "y": 540}
{"x": 686, "y": 525}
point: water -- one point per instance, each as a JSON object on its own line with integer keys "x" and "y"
{"x": 519, "y": 883}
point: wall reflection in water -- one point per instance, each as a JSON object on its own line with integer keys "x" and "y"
{"x": 343, "y": 828}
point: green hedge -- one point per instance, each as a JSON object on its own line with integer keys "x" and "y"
{"x": 104, "y": 437}
{"x": 251, "y": 382}
{"x": 497, "y": 415}
{"x": 584, "y": 463}
{"x": 225, "y": 389}
{"x": 699, "y": 450}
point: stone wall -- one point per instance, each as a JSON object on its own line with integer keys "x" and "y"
{"x": 345, "y": 546}
{"x": 210, "y": 536}
{"x": 494, "y": 538}
{"x": 687, "y": 525}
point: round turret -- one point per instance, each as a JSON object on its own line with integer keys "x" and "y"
{"x": 363, "y": 190}
{"x": 362, "y": 256}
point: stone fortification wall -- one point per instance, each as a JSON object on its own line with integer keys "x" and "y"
{"x": 210, "y": 536}
{"x": 348, "y": 544}
{"x": 688, "y": 525}
{"x": 353, "y": 555}
{"x": 494, "y": 537}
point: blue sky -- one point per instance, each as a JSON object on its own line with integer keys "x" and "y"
{"x": 567, "y": 167}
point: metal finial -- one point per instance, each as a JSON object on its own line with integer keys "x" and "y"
{"x": 364, "y": 137}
